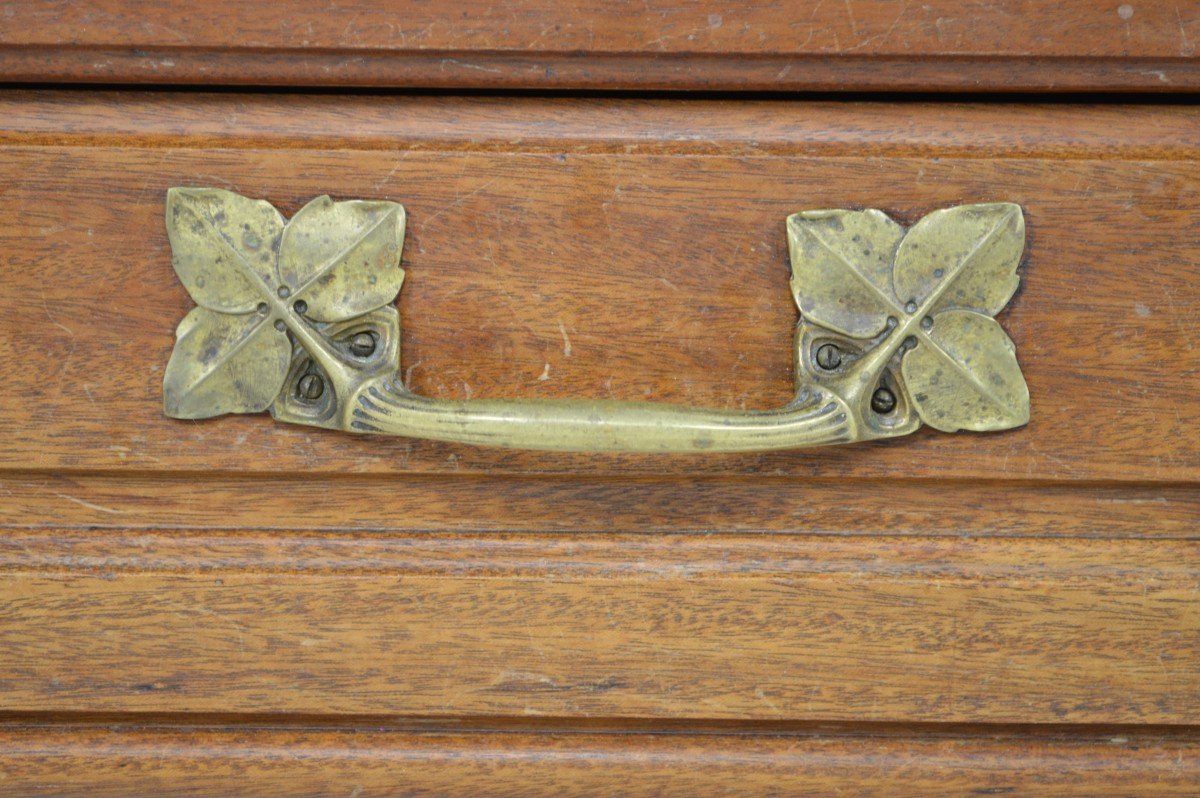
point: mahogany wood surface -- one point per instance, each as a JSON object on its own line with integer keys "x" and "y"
{"x": 971, "y": 45}
{"x": 593, "y": 502}
{"x": 103, "y": 762}
{"x": 642, "y": 260}
{"x": 765, "y": 628}
{"x": 238, "y": 607}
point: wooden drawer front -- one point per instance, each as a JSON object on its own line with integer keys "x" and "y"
{"x": 183, "y": 604}
{"x": 628, "y": 250}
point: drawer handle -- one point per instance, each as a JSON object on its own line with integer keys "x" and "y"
{"x": 296, "y": 317}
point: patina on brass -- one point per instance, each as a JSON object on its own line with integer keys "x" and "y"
{"x": 296, "y": 317}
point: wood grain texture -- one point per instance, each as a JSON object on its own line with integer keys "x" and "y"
{"x": 864, "y": 629}
{"x": 238, "y": 607}
{"x": 650, "y": 265}
{"x": 664, "y": 44}
{"x": 117, "y": 762}
{"x": 448, "y": 503}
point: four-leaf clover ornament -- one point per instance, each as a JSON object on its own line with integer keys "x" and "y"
{"x": 923, "y": 299}
{"x": 262, "y": 282}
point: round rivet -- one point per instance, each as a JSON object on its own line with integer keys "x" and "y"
{"x": 911, "y": 307}
{"x": 279, "y": 325}
{"x": 262, "y": 308}
{"x": 310, "y": 387}
{"x": 284, "y": 291}
{"x": 362, "y": 344}
{"x": 829, "y": 357}
{"x": 927, "y": 323}
{"x": 883, "y": 401}
{"x": 300, "y": 307}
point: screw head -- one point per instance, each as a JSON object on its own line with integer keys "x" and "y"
{"x": 829, "y": 357}
{"x": 883, "y": 401}
{"x": 362, "y": 344}
{"x": 310, "y": 387}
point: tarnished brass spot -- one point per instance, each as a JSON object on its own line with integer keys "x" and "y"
{"x": 296, "y": 317}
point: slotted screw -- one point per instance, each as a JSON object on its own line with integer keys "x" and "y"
{"x": 883, "y": 401}
{"x": 829, "y": 357}
{"x": 310, "y": 387}
{"x": 362, "y": 344}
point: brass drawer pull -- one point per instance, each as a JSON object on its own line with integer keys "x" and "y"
{"x": 296, "y": 317}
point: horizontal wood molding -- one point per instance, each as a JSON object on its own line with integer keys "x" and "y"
{"x": 599, "y": 126}
{"x": 649, "y": 264}
{"x": 1068, "y": 45}
{"x": 115, "y": 761}
{"x": 205, "y": 502}
{"x": 761, "y": 628}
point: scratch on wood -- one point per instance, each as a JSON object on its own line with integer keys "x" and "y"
{"x": 97, "y": 507}
{"x": 566, "y": 339}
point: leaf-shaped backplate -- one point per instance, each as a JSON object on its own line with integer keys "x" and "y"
{"x": 220, "y": 242}
{"x": 969, "y": 254}
{"x": 224, "y": 363}
{"x": 842, "y": 268}
{"x": 343, "y": 258}
{"x": 964, "y": 375}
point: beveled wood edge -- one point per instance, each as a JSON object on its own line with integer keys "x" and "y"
{"x": 67, "y": 504}
{"x": 519, "y": 70}
{"x": 175, "y": 119}
{"x": 589, "y": 556}
{"x": 98, "y": 762}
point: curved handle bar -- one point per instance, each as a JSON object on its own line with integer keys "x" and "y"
{"x": 296, "y": 317}
{"x": 385, "y": 407}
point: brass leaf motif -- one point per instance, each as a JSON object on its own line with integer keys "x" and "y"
{"x": 859, "y": 274}
{"x": 964, "y": 375}
{"x": 224, "y": 363}
{"x": 258, "y": 279}
{"x": 343, "y": 258}
{"x": 222, "y": 244}
{"x": 295, "y": 317}
{"x": 967, "y": 256}
{"x": 842, "y": 268}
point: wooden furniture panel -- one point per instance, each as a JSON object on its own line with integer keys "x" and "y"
{"x": 612, "y": 272}
{"x": 860, "y": 629}
{"x": 241, "y": 607}
{"x": 665, "y": 44}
